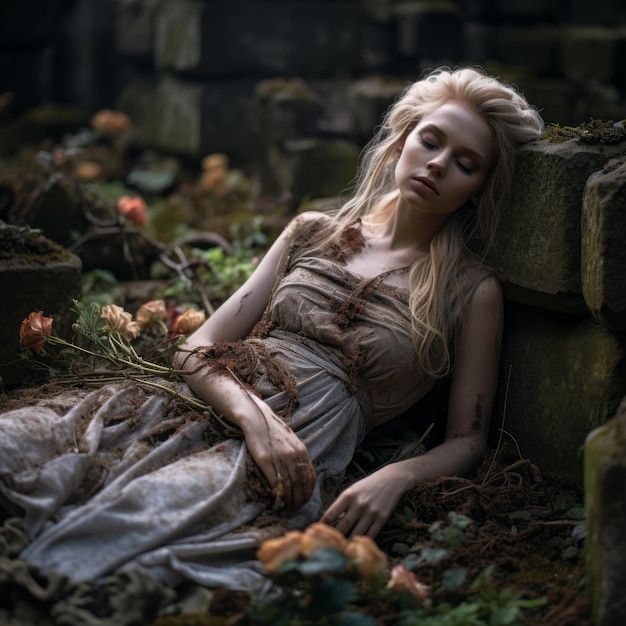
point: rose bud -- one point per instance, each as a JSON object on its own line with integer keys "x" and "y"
{"x": 319, "y": 536}
{"x": 134, "y": 209}
{"x": 151, "y": 314}
{"x": 403, "y": 579}
{"x": 274, "y": 553}
{"x": 187, "y": 322}
{"x": 367, "y": 558}
{"x": 34, "y": 330}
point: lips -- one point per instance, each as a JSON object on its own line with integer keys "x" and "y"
{"x": 428, "y": 183}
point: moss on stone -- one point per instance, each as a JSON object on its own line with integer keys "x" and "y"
{"x": 593, "y": 132}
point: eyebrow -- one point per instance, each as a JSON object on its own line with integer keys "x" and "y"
{"x": 442, "y": 133}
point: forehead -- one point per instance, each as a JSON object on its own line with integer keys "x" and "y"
{"x": 460, "y": 123}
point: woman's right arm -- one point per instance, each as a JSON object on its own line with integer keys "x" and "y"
{"x": 278, "y": 452}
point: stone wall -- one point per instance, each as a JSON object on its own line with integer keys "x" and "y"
{"x": 561, "y": 260}
{"x": 192, "y": 69}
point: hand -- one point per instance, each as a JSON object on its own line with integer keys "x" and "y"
{"x": 280, "y": 455}
{"x": 364, "y": 507}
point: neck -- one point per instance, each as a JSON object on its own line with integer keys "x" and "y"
{"x": 405, "y": 228}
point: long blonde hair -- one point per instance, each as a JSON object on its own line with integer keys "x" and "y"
{"x": 438, "y": 283}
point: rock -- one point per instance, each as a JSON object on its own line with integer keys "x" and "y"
{"x": 589, "y": 53}
{"x": 193, "y": 119}
{"x": 370, "y": 98}
{"x": 320, "y": 168}
{"x": 605, "y": 510}
{"x": 603, "y": 253}
{"x": 36, "y": 274}
{"x": 537, "y": 254}
{"x": 567, "y": 376}
{"x": 134, "y": 30}
{"x": 258, "y": 39}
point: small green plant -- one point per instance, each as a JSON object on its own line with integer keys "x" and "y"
{"x": 480, "y": 605}
{"x": 483, "y": 606}
{"x": 222, "y": 272}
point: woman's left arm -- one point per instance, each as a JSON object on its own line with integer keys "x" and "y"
{"x": 364, "y": 507}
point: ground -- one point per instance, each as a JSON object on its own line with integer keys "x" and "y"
{"x": 524, "y": 525}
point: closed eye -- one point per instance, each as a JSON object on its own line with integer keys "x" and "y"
{"x": 464, "y": 168}
{"x": 427, "y": 144}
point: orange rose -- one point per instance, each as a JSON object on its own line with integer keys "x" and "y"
{"x": 273, "y": 553}
{"x": 34, "y": 330}
{"x": 319, "y": 536}
{"x": 134, "y": 209}
{"x": 110, "y": 124}
{"x": 118, "y": 320}
{"x": 214, "y": 170}
{"x": 187, "y": 322}
{"x": 403, "y": 579}
{"x": 151, "y": 314}
{"x": 366, "y": 557}
{"x": 88, "y": 170}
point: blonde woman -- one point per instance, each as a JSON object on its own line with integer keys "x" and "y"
{"x": 384, "y": 298}
{"x": 348, "y": 321}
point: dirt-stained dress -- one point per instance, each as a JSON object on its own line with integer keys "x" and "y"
{"x": 117, "y": 481}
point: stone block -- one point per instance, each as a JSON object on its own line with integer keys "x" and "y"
{"x": 321, "y": 168}
{"x": 135, "y": 26}
{"x": 605, "y": 513}
{"x": 567, "y": 377}
{"x": 537, "y": 253}
{"x": 193, "y": 119}
{"x": 538, "y": 9}
{"x": 558, "y": 100}
{"x": 429, "y": 31}
{"x": 589, "y": 53}
{"x": 496, "y": 10}
{"x": 35, "y": 275}
{"x": 285, "y": 109}
{"x": 86, "y": 53}
{"x": 603, "y": 253}
{"x": 258, "y": 39}
{"x": 23, "y": 73}
{"x": 619, "y": 76}
{"x": 598, "y": 12}
{"x": 536, "y": 49}
{"x": 370, "y": 98}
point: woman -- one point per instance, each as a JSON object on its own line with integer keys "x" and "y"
{"x": 423, "y": 216}
{"x": 348, "y": 321}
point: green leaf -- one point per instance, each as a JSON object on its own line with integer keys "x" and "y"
{"x": 459, "y": 520}
{"x": 325, "y": 561}
{"x": 454, "y": 578}
{"x": 505, "y": 616}
{"x": 482, "y": 578}
{"x": 351, "y": 618}
{"x": 331, "y": 596}
{"x": 433, "y": 556}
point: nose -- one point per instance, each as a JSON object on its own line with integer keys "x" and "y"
{"x": 438, "y": 163}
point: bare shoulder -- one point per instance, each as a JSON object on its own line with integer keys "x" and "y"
{"x": 488, "y": 292}
{"x": 306, "y": 224}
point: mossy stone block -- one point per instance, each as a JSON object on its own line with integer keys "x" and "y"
{"x": 36, "y": 274}
{"x": 537, "y": 255}
{"x": 603, "y": 251}
{"x": 589, "y": 53}
{"x": 605, "y": 511}
{"x": 262, "y": 39}
{"x": 565, "y": 376}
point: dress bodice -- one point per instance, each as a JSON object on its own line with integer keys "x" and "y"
{"x": 360, "y": 324}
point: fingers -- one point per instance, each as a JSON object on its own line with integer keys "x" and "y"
{"x": 353, "y": 516}
{"x": 295, "y": 482}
